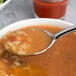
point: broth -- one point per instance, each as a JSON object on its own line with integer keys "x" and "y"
{"x": 59, "y": 60}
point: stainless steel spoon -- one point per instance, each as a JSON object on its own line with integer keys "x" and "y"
{"x": 53, "y": 38}
{"x": 56, "y": 36}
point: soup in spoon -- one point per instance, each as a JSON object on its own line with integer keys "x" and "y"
{"x": 26, "y": 41}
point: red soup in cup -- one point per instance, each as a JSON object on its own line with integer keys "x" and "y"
{"x": 54, "y": 9}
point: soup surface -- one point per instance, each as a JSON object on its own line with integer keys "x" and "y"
{"x": 59, "y": 60}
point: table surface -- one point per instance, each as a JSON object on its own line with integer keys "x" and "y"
{"x": 18, "y": 10}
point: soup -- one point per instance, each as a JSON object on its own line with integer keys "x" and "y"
{"x": 26, "y": 41}
{"x": 59, "y": 60}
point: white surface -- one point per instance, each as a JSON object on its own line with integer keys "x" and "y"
{"x": 23, "y": 9}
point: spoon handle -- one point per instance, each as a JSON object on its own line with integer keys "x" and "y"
{"x": 65, "y": 31}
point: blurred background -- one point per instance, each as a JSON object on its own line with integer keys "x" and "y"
{"x": 18, "y": 10}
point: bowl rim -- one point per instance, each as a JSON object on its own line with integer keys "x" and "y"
{"x": 52, "y": 19}
{"x": 5, "y": 3}
{"x": 21, "y": 24}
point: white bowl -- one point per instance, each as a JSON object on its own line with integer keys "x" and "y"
{"x": 4, "y": 4}
{"x": 31, "y": 22}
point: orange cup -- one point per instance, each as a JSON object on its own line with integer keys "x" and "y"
{"x": 50, "y": 9}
